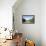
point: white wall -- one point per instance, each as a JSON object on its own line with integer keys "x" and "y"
{"x": 31, "y": 31}
{"x": 43, "y": 22}
{"x": 6, "y": 13}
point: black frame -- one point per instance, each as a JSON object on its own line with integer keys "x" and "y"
{"x": 31, "y": 21}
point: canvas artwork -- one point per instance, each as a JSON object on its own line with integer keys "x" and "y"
{"x": 28, "y": 19}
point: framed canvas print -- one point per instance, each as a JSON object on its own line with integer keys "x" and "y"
{"x": 28, "y": 19}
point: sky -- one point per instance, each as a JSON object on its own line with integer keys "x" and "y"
{"x": 28, "y": 17}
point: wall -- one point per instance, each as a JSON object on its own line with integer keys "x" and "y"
{"x": 6, "y": 13}
{"x": 43, "y": 22}
{"x": 30, "y": 31}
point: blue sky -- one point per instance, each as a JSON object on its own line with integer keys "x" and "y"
{"x": 28, "y": 17}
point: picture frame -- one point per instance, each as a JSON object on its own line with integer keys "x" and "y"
{"x": 28, "y": 19}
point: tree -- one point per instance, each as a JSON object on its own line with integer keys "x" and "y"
{"x": 23, "y": 20}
